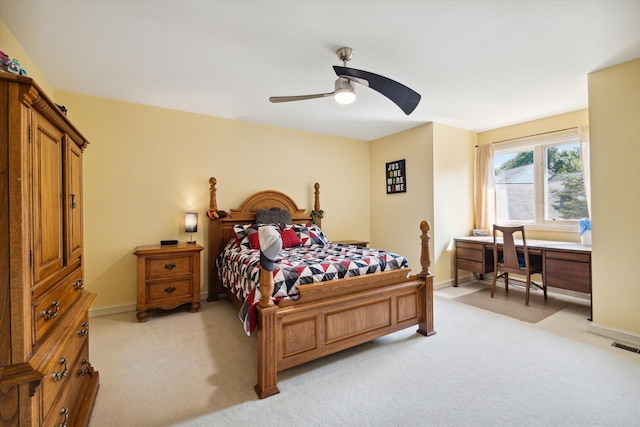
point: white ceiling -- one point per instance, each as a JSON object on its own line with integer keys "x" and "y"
{"x": 477, "y": 64}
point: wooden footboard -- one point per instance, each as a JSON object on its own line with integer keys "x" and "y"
{"x": 333, "y": 316}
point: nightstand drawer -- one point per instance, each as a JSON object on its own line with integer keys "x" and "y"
{"x": 169, "y": 266}
{"x": 168, "y": 276}
{"x": 157, "y": 291}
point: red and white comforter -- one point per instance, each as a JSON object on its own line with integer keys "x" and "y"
{"x": 239, "y": 270}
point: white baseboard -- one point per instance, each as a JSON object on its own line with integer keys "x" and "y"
{"x": 116, "y": 309}
{"x": 127, "y": 308}
{"x": 625, "y": 337}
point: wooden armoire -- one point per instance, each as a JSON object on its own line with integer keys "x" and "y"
{"x": 46, "y": 378}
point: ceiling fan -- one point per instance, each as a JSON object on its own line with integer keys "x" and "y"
{"x": 345, "y": 91}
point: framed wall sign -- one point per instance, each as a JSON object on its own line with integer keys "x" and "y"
{"x": 396, "y": 177}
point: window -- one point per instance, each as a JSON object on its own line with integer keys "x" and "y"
{"x": 539, "y": 182}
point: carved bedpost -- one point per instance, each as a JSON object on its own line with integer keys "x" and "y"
{"x": 213, "y": 204}
{"x": 426, "y": 326}
{"x": 425, "y": 256}
{"x": 213, "y": 248}
{"x": 316, "y": 204}
{"x": 266, "y": 287}
{"x": 267, "y": 343}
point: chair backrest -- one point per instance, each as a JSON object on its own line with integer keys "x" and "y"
{"x": 510, "y": 260}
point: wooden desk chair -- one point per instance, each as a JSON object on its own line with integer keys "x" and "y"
{"x": 513, "y": 262}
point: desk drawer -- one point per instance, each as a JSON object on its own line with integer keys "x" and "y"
{"x": 569, "y": 256}
{"x": 567, "y": 274}
{"x": 472, "y": 266}
{"x": 474, "y": 254}
{"x": 467, "y": 245}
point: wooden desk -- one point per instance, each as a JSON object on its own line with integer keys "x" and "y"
{"x": 565, "y": 265}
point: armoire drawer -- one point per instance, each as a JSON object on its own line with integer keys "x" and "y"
{"x": 55, "y": 303}
{"x": 61, "y": 371}
{"x": 64, "y": 406}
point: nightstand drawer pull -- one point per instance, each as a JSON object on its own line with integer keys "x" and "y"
{"x": 64, "y": 411}
{"x": 84, "y": 331}
{"x": 59, "y": 376}
{"x": 79, "y": 284}
{"x": 170, "y": 289}
{"x": 50, "y": 314}
{"x": 170, "y": 266}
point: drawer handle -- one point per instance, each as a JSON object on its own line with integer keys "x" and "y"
{"x": 79, "y": 284}
{"x": 85, "y": 370}
{"x": 59, "y": 376}
{"x": 53, "y": 312}
{"x": 64, "y": 411}
{"x": 170, "y": 289}
{"x": 84, "y": 331}
{"x": 170, "y": 266}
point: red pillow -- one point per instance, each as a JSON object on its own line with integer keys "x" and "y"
{"x": 289, "y": 238}
{"x": 254, "y": 241}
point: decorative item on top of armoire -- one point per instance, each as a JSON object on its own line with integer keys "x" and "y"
{"x": 396, "y": 176}
{"x": 45, "y": 374}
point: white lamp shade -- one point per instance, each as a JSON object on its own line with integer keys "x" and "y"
{"x": 191, "y": 222}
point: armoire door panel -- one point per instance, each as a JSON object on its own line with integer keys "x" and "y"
{"x": 73, "y": 198}
{"x": 47, "y": 198}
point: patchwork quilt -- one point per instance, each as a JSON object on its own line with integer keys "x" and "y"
{"x": 239, "y": 270}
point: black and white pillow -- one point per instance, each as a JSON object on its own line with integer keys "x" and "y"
{"x": 243, "y": 232}
{"x": 310, "y": 234}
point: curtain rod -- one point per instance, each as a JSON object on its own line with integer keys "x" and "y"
{"x": 535, "y": 134}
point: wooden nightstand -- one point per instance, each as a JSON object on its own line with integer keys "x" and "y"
{"x": 353, "y": 242}
{"x": 168, "y": 276}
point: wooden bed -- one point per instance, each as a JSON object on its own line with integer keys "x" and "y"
{"x": 329, "y": 316}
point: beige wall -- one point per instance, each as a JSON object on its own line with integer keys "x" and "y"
{"x": 439, "y": 161}
{"x": 147, "y": 166}
{"x": 614, "y": 114}
{"x": 395, "y": 218}
{"x": 453, "y": 159}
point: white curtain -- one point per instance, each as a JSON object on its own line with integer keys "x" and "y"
{"x": 485, "y": 193}
{"x": 586, "y": 164}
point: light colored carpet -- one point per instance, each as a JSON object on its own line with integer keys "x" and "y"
{"x": 512, "y": 303}
{"x": 480, "y": 369}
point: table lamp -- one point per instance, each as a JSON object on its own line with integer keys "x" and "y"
{"x": 191, "y": 225}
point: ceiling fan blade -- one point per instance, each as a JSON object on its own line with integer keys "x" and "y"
{"x": 405, "y": 98}
{"x": 276, "y": 99}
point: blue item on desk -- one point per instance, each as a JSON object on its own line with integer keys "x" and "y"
{"x": 585, "y": 225}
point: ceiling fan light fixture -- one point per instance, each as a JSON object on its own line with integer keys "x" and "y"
{"x": 344, "y": 92}
{"x": 344, "y": 96}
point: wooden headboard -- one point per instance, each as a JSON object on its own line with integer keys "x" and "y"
{"x": 221, "y": 229}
